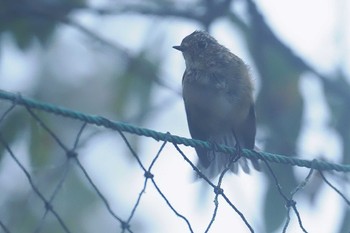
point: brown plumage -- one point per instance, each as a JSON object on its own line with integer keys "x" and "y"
{"x": 217, "y": 92}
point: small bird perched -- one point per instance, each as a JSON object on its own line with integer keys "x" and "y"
{"x": 218, "y": 96}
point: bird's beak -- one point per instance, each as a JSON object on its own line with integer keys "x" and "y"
{"x": 179, "y": 47}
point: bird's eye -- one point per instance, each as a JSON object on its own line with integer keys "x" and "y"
{"x": 202, "y": 44}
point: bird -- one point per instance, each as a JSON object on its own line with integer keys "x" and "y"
{"x": 217, "y": 91}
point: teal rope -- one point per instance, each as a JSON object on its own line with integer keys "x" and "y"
{"x": 120, "y": 126}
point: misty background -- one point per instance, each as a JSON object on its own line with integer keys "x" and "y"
{"x": 115, "y": 59}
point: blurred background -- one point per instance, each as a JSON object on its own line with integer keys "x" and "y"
{"x": 115, "y": 59}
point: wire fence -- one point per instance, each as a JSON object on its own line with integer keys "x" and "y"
{"x": 126, "y": 224}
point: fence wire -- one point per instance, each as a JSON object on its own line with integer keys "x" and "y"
{"x": 126, "y": 224}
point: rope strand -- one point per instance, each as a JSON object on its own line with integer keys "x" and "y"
{"x": 17, "y": 99}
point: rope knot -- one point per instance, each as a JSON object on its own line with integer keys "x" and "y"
{"x": 148, "y": 175}
{"x": 48, "y": 206}
{"x": 291, "y": 203}
{"x": 72, "y": 154}
{"x": 218, "y": 190}
{"x": 125, "y": 225}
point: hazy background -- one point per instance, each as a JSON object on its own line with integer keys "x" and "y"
{"x": 115, "y": 59}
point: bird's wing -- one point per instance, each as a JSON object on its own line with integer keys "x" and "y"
{"x": 197, "y": 133}
{"x": 247, "y": 130}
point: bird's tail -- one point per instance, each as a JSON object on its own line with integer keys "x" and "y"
{"x": 218, "y": 161}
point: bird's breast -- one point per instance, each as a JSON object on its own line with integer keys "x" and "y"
{"x": 208, "y": 107}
